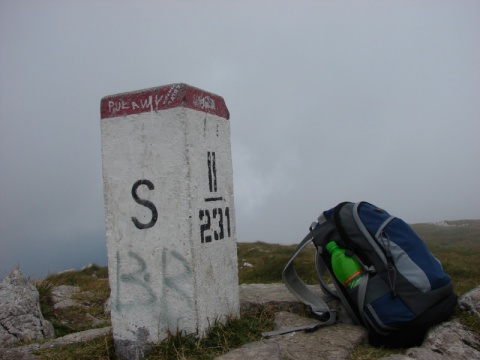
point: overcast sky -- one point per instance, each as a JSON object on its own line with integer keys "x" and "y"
{"x": 329, "y": 101}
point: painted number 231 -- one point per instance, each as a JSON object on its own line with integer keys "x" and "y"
{"x": 214, "y": 222}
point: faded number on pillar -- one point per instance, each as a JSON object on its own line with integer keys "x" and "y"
{"x": 215, "y": 222}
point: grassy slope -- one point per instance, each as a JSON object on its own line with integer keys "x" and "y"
{"x": 456, "y": 246}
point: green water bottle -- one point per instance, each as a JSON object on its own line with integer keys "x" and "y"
{"x": 346, "y": 269}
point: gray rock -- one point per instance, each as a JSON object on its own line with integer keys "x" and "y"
{"x": 286, "y": 320}
{"x": 264, "y": 294}
{"x": 396, "y": 357}
{"x": 425, "y": 354}
{"x": 332, "y": 342}
{"x": 62, "y": 296}
{"x": 78, "y": 337}
{"x": 20, "y": 315}
{"x": 281, "y": 299}
{"x": 454, "y": 341}
{"x": 88, "y": 266}
{"x": 15, "y": 354}
{"x": 66, "y": 271}
{"x": 96, "y": 322}
{"x": 471, "y": 301}
{"x": 417, "y": 353}
{"x": 259, "y": 350}
{"x": 24, "y": 352}
{"x": 449, "y": 340}
{"x": 275, "y": 295}
{"x": 446, "y": 341}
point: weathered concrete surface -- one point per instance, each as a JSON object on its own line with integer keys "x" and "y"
{"x": 20, "y": 315}
{"x": 169, "y": 213}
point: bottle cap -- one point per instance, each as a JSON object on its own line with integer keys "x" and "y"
{"x": 332, "y": 245}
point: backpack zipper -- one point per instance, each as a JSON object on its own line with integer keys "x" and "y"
{"x": 380, "y": 237}
{"x": 391, "y": 268}
{"x": 385, "y": 250}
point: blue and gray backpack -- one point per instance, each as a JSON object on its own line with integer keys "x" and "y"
{"x": 404, "y": 290}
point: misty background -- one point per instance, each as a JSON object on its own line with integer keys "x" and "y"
{"x": 329, "y": 101}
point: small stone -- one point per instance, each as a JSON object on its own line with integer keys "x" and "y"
{"x": 62, "y": 296}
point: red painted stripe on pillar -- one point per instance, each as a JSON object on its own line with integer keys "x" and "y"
{"x": 163, "y": 98}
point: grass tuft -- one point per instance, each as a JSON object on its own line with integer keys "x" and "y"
{"x": 98, "y": 349}
{"x": 221, "y": 338}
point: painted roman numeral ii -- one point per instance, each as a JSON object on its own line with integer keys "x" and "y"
{"x": 212, "y": 171}
{"x": 213, "y": 224}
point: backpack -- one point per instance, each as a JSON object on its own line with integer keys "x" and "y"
{"x": 404, "y": 290}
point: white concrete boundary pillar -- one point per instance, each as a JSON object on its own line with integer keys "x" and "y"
{"x": 169, "y": 214}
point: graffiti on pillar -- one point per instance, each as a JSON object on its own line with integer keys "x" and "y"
{"x": 176, "y": 291}
{"x": 175, "y": 274}
{"x": 138, "y": 279}
{"x": 204, "y": 102}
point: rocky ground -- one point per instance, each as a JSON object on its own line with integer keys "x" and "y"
{"x": 18, "y": 303}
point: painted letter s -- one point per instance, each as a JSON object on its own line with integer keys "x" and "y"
{"x": 145, "y": 203}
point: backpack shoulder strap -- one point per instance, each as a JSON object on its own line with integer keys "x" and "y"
{"x": 321, "y": 269}
{"x": 298, "y": 288}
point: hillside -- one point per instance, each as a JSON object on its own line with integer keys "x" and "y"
{"x": 450, "y": 234}
{"x": 455, "y": 243}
